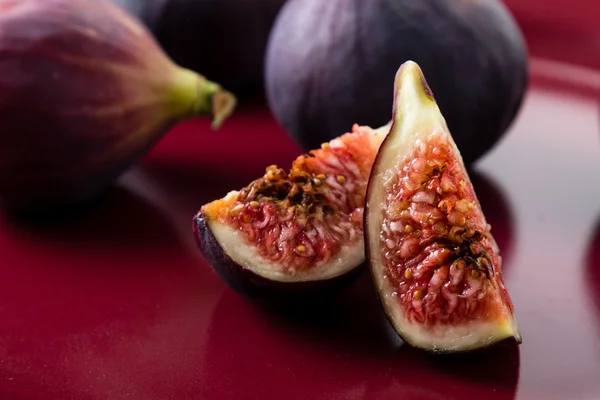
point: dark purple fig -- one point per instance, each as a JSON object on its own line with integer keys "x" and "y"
{"x": 294, "y": 235}
{"x": 233, "y": 33}
{"x": 431, "y": 253}
{"x": 85, "y": 91}
{"x": 329, "y": 64}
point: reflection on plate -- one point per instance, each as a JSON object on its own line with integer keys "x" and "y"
{"x": 342, "y": 350}
{"x": 103, "y": 302}
{"x": 497, "y": 212}
{"x": 592, "y": 263}
{"x": 118, "y": 218}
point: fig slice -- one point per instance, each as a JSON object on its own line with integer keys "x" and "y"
{"x": 433, "y": 260}
{"x": 296, "y": 233}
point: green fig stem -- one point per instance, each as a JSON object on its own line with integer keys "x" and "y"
{"x": 194, "y": 95}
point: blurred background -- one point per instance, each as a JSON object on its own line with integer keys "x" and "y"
{"x": 566, "y": 31}
{"x": 114, "y": 300}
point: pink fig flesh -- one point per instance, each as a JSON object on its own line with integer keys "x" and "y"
{"x": 432, "y": 257}
{"x": 297, "y": 234}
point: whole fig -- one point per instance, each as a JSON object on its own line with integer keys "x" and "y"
{"x": 234, "y": 32}
{"x": 329, "y": 64}
{"x": 85, "y": 91}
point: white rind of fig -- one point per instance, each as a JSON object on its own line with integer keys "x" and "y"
{"x": 268, "y": 258}
{"x": 247, "y": 256}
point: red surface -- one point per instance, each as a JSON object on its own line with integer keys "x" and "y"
{"x": 559, "y": 29}
{"x": 115, "y": 302}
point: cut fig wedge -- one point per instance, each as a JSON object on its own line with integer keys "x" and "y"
{"x": 294, "y": 233}
{"x": 432, "y": 257}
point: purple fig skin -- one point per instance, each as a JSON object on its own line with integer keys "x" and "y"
{"x": 85, "y": 91}
{"x": 329, "y": 64}
{"x": 257, "y": 288}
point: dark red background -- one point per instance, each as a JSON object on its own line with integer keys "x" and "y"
{"x": 116, "y": 302}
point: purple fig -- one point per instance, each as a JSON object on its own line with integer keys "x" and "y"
{"x": 85, "y": 91}
{"x": 235, "y": 32}
{"x": 329, "y": 64}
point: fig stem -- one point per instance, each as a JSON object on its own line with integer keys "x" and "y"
{"x": 195, "y": 95}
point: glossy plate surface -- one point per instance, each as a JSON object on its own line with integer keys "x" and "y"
{"x": 116, "y": 302}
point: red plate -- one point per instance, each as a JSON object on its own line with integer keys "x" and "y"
{"x": 117, "y": 303}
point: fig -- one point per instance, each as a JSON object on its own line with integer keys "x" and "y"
{"x": 233, "y": 32}
{"x": 431, "y": 254}
{"x": 295, "y": 235}
{"x": 85, "y": 91}
{"x": 329, "y": 64}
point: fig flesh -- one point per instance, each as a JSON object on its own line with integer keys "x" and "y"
{"x": 85, "y": 91}
{"x": 432, "y": 257}
{"x": 294, "y": 234}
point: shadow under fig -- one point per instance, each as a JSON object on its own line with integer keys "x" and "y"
{"x": 497, "y": 211}
{"x": 347, "y": 349}
{"x": 116, "y": 219}
{"x": 592, "y": 262}
{"x": 490, "y": 374}
{"x": 189, "y": 188}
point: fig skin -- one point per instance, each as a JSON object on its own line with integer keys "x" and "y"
{"x": 85, "y": 91}
{"x": 329, "y": 63}
{"x": 262, "y": 290}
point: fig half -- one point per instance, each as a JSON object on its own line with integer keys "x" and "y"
{"x": 432, "y": 257}
{"x": 295, "y": 234}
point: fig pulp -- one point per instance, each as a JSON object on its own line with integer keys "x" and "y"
{"x": 84, "y": 92}
{"x": 431, "y": 254}
{"x": 295, "y": 234}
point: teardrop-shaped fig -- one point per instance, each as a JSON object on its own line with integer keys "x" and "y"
{"x": 297, "y": 234}
{"x": 432, "y": 257}
{"x": 85, "y": 91}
